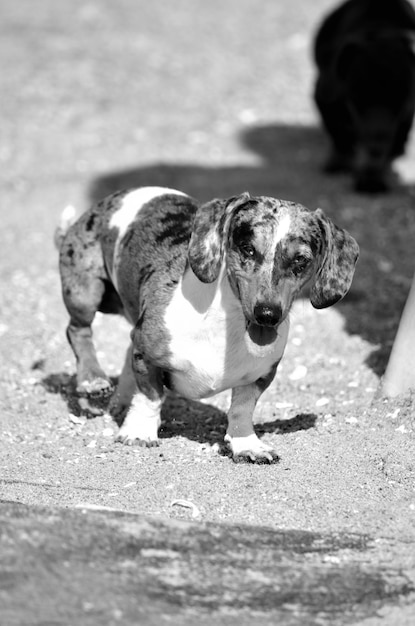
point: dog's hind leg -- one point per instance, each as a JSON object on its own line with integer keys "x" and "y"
{"x": 83, "y": 290}
{"x": 91, "y": 378}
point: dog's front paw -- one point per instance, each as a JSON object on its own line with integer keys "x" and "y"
{"x": 133, "y": 439}
{"x": 141, "y": 424}
{"x": 251, "y": 449}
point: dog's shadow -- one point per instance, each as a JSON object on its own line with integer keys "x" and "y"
{"x": 197, "y": 421}
{"x": 64, "y": 385}
{"x": 205, "y": 423}
{"x": 284, "y": 157}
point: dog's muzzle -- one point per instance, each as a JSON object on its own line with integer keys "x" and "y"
{"x": 264, "y": 329}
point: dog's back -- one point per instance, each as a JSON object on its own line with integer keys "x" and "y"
{"x": 356, "y": 18}
{"x": 149, "y": 237}
{"x": 125, "y": 240}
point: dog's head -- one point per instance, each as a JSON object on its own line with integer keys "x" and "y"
{"x": 271, "y": 249}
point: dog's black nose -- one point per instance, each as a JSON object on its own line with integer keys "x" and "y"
{"x": 267, "y": 314}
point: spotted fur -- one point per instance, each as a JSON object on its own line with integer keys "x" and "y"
{"x": 208, "y": 290}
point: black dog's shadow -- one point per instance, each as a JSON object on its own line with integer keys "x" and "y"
{"x": 287, "y": 154}
{"x": 196, "y": 421}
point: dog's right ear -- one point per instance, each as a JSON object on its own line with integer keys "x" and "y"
{"x": 339, "y": 255}
{"x": 210, "y": 230}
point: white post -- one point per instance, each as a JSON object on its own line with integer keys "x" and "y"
{"x": 399, "y": 377}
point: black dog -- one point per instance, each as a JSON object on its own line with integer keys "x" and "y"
{"x": 365, "y": 89}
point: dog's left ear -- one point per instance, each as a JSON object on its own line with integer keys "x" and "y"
{"x": 209, "y": 234}
{"x": 339, "y": 254}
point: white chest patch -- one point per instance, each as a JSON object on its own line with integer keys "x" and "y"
{"x": 211, "y": 350}
{"x": 131, "y": 205}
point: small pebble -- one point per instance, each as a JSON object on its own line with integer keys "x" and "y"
{"x": 283, "y": 405}
{"x": 401, "y": 429}
{"x": 299, "y": 372}
{"x": 187, "y": 505}
{"x": 322, "y": 401}
{"x": 351, "y": 420}
{"x": 394, "y": 414}
{"x": 75, "y": 419}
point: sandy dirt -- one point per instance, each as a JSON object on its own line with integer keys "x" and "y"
{"x": 213, "y": 98}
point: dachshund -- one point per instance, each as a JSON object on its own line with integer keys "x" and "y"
{"x": 207, "y": 289}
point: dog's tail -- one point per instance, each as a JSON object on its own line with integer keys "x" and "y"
{"x": 68, "y": 217}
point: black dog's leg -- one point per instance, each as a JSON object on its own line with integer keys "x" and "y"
{"x": 340, "y": 158}
{"x": 402, "y": 134}
{"x": 337, "y": 122}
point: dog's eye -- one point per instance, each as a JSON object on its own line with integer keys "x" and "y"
{"x": 247, "y": 250}
{"x": 299, "y": 264}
